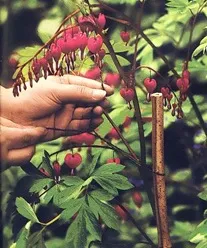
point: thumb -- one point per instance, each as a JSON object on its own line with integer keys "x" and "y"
{"x": 78, "y": 93}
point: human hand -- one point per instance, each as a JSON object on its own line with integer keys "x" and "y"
{"x": 69, "y": 103}
{"x": 17, "y": 142}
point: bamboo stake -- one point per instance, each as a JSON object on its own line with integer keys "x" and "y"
{"x": 159, "y": 171}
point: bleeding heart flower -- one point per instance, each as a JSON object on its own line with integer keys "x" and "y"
{"x": 56, "y": 168}
{"x": 88, "y": 138}
{"x": 113, "y": 160}
{"x": 127, "y": 121}
{"x": 120, "y": 212}
{"x": 73, "y": 160}
{"x": 95, "y": 43}
{"x": 55, "y": 51}
{"x": 186, "y": 74}
{"x": 36, "y": 66}
{"x": 113, "y": 134}
{"x": 127, "y": 94}
{"x": 137, "y": 198}
{"x": 101, "y": 53}
{"x": 112, "y": 79}
{"x": 93, "y": 73}
{"x": 182, "y": 84}
{"x": 125, "y": 36}
{"x": 150, "y": 84}
{"x": 101, "y": 20}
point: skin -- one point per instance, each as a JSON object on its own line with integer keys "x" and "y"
{"x": 71, "y": 104}
{"x": 16, "y": 140}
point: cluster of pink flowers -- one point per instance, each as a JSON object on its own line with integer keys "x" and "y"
{"x": 182, "y": 84}
{"x": 60, "y": 56}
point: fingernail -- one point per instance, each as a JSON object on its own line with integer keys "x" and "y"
{"x": 98, "y": 94}
{"x": 42, "y": 130}
{"x": 98, "y": 110}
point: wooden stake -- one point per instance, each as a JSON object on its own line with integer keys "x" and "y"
{"x": 159, "y": 171}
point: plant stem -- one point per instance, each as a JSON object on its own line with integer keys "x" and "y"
{"x": 139, "y": 228}
{"x": 51, "y": 221}
{"x": 46, "y": 191}
{"x": 191, "y": 31}
{"x": 166, "y": 61}
{"x": 121, "y": 136}
{"x": 162, "y": 56}
{"x": 140, "y": 14}
{"x": 197, "y": 112}
{"x": 142, "y": 169}
{"x": 118, "y": 149}
{"x": 159, "y": 171}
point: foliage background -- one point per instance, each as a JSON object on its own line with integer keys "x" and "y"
{"x": 28, "y": 22}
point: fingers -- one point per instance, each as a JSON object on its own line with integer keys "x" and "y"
{"x": 8, "y": 123}
{"x": 87, "y": 113}
{"x": 16, "y": 142}
{"x": 76, "y": 127}
{"x": 22, "y": 137}
{"x": 98, "y": 110}
{"x": 85, "y": 125}
{"x": 78, "y": 93}
{"x": 20, "y": 156}
{"x": 104, "y": 104}
{"x": 90, "y": 83}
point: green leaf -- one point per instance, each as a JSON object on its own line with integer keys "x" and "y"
{"x": 202, "y": 244}
{"x": 76, "y": 235}
{"x": 122, "y": 47}
{"x": 101, "y": 194}
{"x": 72, "y": 180}
{"x": 203, "y": 195}
{"x": 48, "y": 27}
{"x": 201, "y": 48}
{"x": 106, "y": 212}
{"x": 182, "y": 229}
{"x": 145, "y": 55}
{"x": 181, "y": 175}
{"x": 25, "y": 54}
{"x": 50, "y": 194}
{"x": 39, "y": 184}
{"x": 55, "y": 242}
{"x": 67, "y": 194}
{"x": 130, "y": 2}
{"x": 108, "y": 169}
{"x": 93, "y": 206}
{"x": 92, "y": 165}
{"x": 107, "y": 185}
{"x": 28, "y": 51}
{"x": 92, "y": 223}
{"x": 41, "y": 243}
{"x": 23, "y": 236}
{"x": 118, "y": 181}
{"x": 108, "y": 60}
{"x": 71, "y": 207}
{"x": 47, "y": 166}
{"x": 34, "y": 239}
{"x": 199, "y": 234}
{"x": 24, "y": 208}
{"x": 47, "y": 162}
